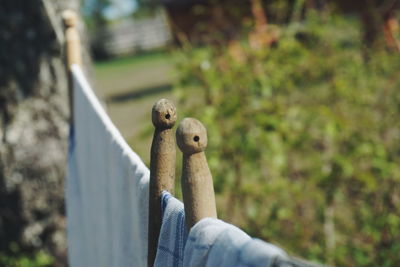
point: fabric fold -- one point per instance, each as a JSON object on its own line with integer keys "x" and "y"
{"x": 106, "y": 189}
{"x": 210, "y": 242}
{"x": 173, "y": 233}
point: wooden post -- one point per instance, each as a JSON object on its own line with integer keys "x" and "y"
{"x": 162, "y": 168}
{"x": 197, "y": 183}
{"x": 72, "y": 52}
{"x": 72, "y": 39}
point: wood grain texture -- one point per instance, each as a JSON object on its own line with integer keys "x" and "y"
{"x": 197, "y": 183}
{"x": 162, "y": 168}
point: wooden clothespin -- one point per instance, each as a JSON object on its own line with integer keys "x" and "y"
{"x": 72, "y": 52}
{"x": 162, "y": 168}
{"x": 197, "y": 183}
{"x": 72, "y": 39}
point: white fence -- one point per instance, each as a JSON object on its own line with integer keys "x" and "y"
{"x": 135, "y": 35}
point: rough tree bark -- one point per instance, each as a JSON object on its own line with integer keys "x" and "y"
{"x": 33, "y": 126}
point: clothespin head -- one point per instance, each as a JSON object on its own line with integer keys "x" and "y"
{"x": 163, "y": 114}
{"x": 191, "y": 136}
{"x": 70, "y": 18}
{"x": 72, "y": 39}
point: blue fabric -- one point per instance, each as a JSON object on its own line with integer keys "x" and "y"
{"x": 211, "y": 242}
{"x": 71, "y": 140}
{"x": 173, "y": 233}
{"x": 256, "y": 251}
{"x": 201, "y": 238}
{"x": 226, "y": 249}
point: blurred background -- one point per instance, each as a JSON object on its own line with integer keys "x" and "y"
{"x": 300, "y": 98}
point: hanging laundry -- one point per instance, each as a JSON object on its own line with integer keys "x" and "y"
{"x": 173, "y": 233}
{"x": 210, "y": 242}
{"x": 107, "y": 189}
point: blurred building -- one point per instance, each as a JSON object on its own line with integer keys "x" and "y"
{"x": 132, "y": 35}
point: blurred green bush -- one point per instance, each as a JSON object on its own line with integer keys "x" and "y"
{"x": 20, "y": 259}
{"x": 303, "y": 139}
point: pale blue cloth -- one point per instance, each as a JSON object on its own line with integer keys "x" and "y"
{"x": 201, "y": 238}
{"x": 226, "y": 250}
{"x": 173, "y": 233}
{"x": 211, "y": 242}
{"x": 107, "y": 189}
{"x": 257, "y": 251}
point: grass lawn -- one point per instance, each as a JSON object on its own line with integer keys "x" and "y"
{"x": 129, "y": 87}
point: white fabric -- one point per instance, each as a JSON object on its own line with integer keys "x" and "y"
{"x": 107, "y": 189}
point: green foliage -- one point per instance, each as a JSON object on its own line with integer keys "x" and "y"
{"x": 19, "y": 259}
{"x": 304, "y": 140}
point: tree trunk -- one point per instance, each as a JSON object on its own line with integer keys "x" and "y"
{"x": 33, "y": 126}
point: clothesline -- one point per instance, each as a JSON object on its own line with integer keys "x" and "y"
{"x": 118, "y": 212}
{"x": 107, "y": 196}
